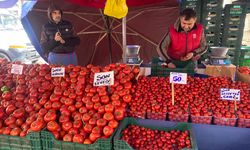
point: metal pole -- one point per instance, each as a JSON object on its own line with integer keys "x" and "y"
{"x": 124, "y": 39}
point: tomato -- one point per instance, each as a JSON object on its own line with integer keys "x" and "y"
{"x": 19, "y": 121}
{"x": 92, "y": 121}
{"x": 83, "y": 110}
{"x": 107, "y": 131}
{"x": 101, "y": 122}
{"x": 108, "y": 116}
{"x": 52, "y": 126}
{"x": 66, "y": 126}
{"x": 97, "y": 130}
{"x": 6, "y": 130}
{"x": 113, "y": 124}
{"x": 77, "y": 124}
{"x": 37, "y": 125}
{"x": 119, "y": 114}
{"x": 89, "y": 105}
{"x": 88, "y": 128}
{"x": 67, "y": 138}
{"x": 50, "y": 116}
{"x": 87, "y": 141}
{"x": 42, "y": 112}
{"x": 65, "y": 111}
{"x": 101, "y": 110}
{"x": 78, "y": 138}
{"x": 7, "y": 95}
{"x": 72, "y": 108}
{"x": 10, "y": 120}
{"x": 127, "y": 98}
{"x": 73, "y": 131}
{"x": 86, "y": 117}
{"x": 77, "y": 116}
{"x": 56, "y": 105}
{"x": 109, "y": 108}
{"x": 95, "y": 99}
{"x": 10, "y": 109}
{"x": 94, "y": 136}
{"x": 78, "y": 104}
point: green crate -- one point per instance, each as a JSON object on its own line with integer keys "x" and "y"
{"x": 158, "y": 70}
{"x": 31, "y": 142}
{"x": 122, "y": 145}
{"x": 245, "y": 62}
{"x": 195, "y": 5}
{"x": 245, "y": 52}
{"x": 50, "y": 143}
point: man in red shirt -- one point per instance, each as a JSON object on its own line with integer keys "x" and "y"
{"x": 185, "y": 41}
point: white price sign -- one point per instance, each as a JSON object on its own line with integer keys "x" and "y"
{"x": 230, "y": 94}
{"x": 179, "y": 78}
{"x": 104, "y": 78}
{"x": 16, "y": 69}
{"x": 58, "y": 72}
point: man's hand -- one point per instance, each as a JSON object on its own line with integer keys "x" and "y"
{"x": 58, "y": 37}
{"x": 171, "y": 65}
{"x": 196, "y": 57}
{"x": 187, "y": 57}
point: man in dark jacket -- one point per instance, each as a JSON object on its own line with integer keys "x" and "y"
{"x": 185, "y": 41}
{"x": 58, "y": 39}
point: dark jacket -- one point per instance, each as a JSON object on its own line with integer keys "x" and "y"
{"x": 67, "y": 32}
{"x": 162, "y": 48}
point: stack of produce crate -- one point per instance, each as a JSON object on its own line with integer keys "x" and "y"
{"x": 211, "y": 19}
{"x": 194, "y": 4}
{"x": 233, "y": 26}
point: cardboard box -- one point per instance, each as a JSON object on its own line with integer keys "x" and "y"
{"x": 243, "y": 77}
{"x": 220, "y": 71}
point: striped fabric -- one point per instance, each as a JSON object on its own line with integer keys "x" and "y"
{"x": 62, "y": 59}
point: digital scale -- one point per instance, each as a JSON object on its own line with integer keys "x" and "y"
{"x": 221, "y": 61}
{"x": 132, "y": 55}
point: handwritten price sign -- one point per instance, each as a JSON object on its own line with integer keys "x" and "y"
{"x": 16, "y": 69}
{"x": 230, "y": 94}
{"x": 58, "y": 72}
{"x": 104, "y": 78}
{"x": 179, "y": 78}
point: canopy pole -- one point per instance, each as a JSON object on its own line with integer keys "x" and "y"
{"x": 109, "y": 32}
{"x": 109, "y": 39}
{"x": 124, "y": 39}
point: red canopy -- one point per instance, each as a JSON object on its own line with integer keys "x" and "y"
{"x": 147, "y": 22}
{"x": 101, "y": 3}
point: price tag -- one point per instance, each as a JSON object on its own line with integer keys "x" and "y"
{"x": 16, "y": 69}
{"x": 179, "y": 78}
{"x": 58, "y": 72}
{"x": 230, "y": 94}
{"x": 104, "y": 78}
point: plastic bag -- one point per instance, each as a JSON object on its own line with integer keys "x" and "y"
{"x": 116, "y": 8}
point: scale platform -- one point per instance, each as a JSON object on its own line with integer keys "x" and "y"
{"x": 221, "y": 61}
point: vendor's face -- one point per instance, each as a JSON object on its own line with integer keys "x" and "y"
{"x": 56, "y": 16}
{"x": 187, "y": 25}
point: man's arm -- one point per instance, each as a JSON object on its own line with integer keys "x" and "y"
{"x": 162, "y": 48}
{"x": 46, "y": 44}
{"x": 203, "y": 46}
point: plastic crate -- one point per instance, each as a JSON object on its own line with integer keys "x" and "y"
{"x": 225, "y": 121}
{"x": 158, "y": 70}
{"x": 194, "y": 4}
{"x": 245, "y": 123}
{"x": 31, "y": 142}
{"x": 201, "y": 119}
{"x": 159, "y": 125}
{"x": 50, "y": 143}
{"x": 156, "y": 115}
{"x": 245, "y": 62}
{"x": 137, "y": 114}
{"x": 178, "y": 117}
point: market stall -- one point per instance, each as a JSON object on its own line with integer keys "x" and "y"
{"x": 116, "y": 105}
